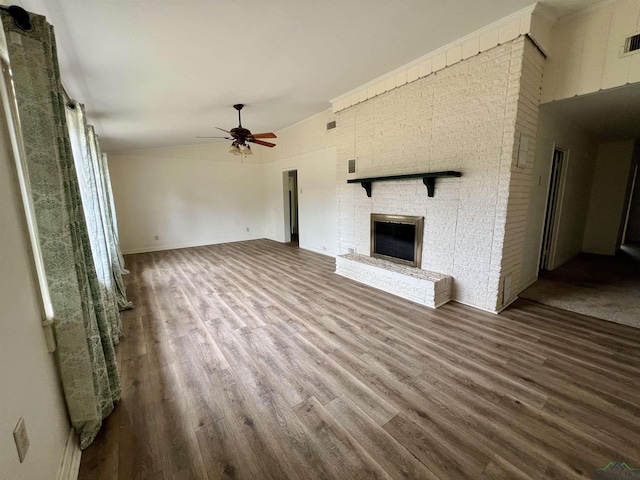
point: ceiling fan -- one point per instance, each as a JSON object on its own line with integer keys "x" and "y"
{"x": 241, "y": 136}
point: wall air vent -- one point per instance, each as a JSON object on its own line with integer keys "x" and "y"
{"x": 331, "y": 125}
{"x": 632, "y": 43}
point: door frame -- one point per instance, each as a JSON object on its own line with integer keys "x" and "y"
{"x": 559, "y": 199}
{"x": 286, "y": 222}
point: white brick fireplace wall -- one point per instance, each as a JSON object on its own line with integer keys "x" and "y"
{"x": 466, "y": 117}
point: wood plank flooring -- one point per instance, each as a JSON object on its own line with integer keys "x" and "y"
{"x": 253, "y": 360}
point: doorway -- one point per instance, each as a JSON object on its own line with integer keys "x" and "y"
{"x": 290, "y": 190}
{"x": 631, "y": 225}
{"x": 553, "y": 208}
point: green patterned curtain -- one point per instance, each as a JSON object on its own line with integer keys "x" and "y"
{"x": 84, "y": 325}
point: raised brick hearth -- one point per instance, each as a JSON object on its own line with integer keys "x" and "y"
{"x": 421, "y": 286}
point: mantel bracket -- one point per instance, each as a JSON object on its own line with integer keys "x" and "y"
{"x": 430, "y": 183}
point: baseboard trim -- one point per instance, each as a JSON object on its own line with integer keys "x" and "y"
{"x": 70, "y": 466}
{"x": 317, "y": 250}
{"x": 177, "y": 246}
{"x": 474, "y": 306}
{"x": 216, "y": 242}
{"x": 508, "y": 303}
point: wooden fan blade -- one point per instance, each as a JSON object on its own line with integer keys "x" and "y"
{"x": 263, "y": 135}
{"x": 226, "y": 131}
{"x": 260, "y": 142}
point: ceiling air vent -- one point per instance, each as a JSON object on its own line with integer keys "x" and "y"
{"x": 331, "y": 125}
{"x": 632, "y": 43}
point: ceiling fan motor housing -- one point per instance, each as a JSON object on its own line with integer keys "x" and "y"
{"x": 241, "y": 136}
{"x": 240, "y": 133}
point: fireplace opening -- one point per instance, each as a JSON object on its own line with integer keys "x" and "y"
{"x": 397, "y": 238}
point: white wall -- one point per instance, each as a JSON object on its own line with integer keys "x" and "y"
{"x": 198, "y": 195}
{"x": 578, "y": 176}
{"x": 186, "y": 196}
{"x": 310, "y": 149}
{"x": 464, "y": 117}
{"x": 28, "y": 379}
{"x": 585, "y": 51}
{"x": 607, "y": 204}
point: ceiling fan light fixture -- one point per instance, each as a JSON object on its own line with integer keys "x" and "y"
{"x": 234, "y": 149}
{"x": 245, "y": 149}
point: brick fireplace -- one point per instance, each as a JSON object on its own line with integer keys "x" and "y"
{"x": 466, "y": 117}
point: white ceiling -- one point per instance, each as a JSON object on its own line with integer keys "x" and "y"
{"x": 157, "y": 73}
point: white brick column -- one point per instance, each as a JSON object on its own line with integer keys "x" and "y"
{"x": 464, "y": 117}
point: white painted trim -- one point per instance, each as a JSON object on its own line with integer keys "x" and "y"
{"x": 476, "y": 306}
{"x": 286, "y": 206}
{"x": 559, "y": 206}
{"x": 502, "y": 31}
{"x": 495, "y": 312}
{"x": 509, "y": 303}
{"x": 70, "y": 466}
{"x": 186, "y": 245}
{"x": 14, "y": 130}
{"x": 177, "y": 247}
{"x": 544, "y": 220}
{"x": 439, "y": 304}
{"x": 317, "y": 250}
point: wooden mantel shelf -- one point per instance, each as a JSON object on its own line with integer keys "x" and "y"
{"x": 429, "y": 180}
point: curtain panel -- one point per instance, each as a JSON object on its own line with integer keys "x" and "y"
{"x": 109, "y": 219}
{"x": 95, "y": 188}
{"x": 113, "y": 220}
{"x": 84, "y": 316}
